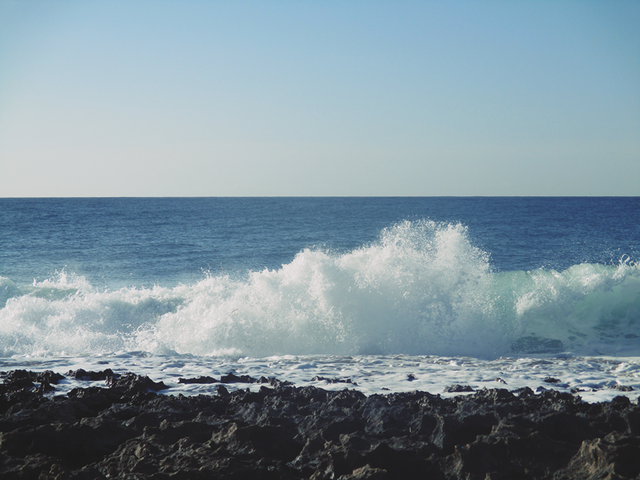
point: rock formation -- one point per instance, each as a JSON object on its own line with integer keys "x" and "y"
{"x": 127, "y": 430}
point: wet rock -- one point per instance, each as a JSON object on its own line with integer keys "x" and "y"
{"x": 20, "y": 379}
{"x": 274, "y": 382}
{"x": 233, "y": 378}
{"x": 222, "y": 391}
{"x": 49, "y": 377}
{"x": 458, "y": 389}
{"x": 623, "y": 388}
{"x": 90, "y": 376}
{"x": 331, "y": 381}
{"x": 198, "y": 380}
{"x": 132, "y": 383}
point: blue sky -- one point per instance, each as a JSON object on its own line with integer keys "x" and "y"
{"x": 206, "y": 98}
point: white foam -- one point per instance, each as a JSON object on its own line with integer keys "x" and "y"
{"x": 421, "y": 289}
{"x": 593, "y": 378}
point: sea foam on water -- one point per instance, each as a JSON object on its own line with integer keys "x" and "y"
{"x": 422, "y": 288}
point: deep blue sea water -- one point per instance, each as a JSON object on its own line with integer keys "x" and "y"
{"x": 235, "y": 277}
{"x": 117, "y": 242}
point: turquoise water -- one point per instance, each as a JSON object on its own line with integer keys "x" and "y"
{"x": 480, "y": 277}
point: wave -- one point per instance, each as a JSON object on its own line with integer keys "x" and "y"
{"x": 421, "y": 288}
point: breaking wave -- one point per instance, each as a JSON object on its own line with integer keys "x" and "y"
{"x": 421, "y": 288}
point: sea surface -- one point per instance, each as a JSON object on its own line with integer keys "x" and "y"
{"x": 377, "y": 294}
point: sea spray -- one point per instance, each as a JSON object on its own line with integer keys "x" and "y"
{"x": 421, "y": 288}
{"x": 588, "y": 308}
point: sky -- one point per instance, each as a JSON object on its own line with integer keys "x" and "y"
{"x": 106, "y": 98}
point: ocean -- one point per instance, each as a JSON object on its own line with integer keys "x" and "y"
{"x": 377, "y": 294}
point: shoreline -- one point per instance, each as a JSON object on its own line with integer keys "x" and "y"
{"x": 127, "y": 430}
{"x": 595, "y": 379}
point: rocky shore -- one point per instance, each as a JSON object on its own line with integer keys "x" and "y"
{"x": 127, "y": 430}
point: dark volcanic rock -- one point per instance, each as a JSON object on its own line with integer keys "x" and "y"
{"x": 200, "y": 380}
{"x": 233, "y": 378}
{"x": 331, "y": 381}
{"x": 458, "y": 389}
{"x": 614, "y": 456}
{"x": 81, "y": 374}
{"x": 127, "y": 431}
{"x": 132, "y": 383}
{"x": 623, "y": 388}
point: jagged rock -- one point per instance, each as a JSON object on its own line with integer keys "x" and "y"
{"x": 222, "y": 391}
{"x": 623, "y": 388}
{"x": 274, "y": 382}
{"x": 199, "y": 380}
{"x": 127, "y": 431}
{"x": 81, "y": 374}
{"x": 366, "y": 473}
{"x": 233, "y": 378}
{"x": 49, "y": 377}
{"x": 330, "y": 381}
{"x": 458, "y": 388}
{"x": 131, "y": 382}
{"x": 614, "y": 456}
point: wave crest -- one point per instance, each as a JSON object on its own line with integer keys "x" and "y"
{"x": 422, "y": 288}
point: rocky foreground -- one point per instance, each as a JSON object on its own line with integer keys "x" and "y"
{"x": 128, "y": 431}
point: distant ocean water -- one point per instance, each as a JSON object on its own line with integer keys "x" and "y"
{"x": 444, "y": 289}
